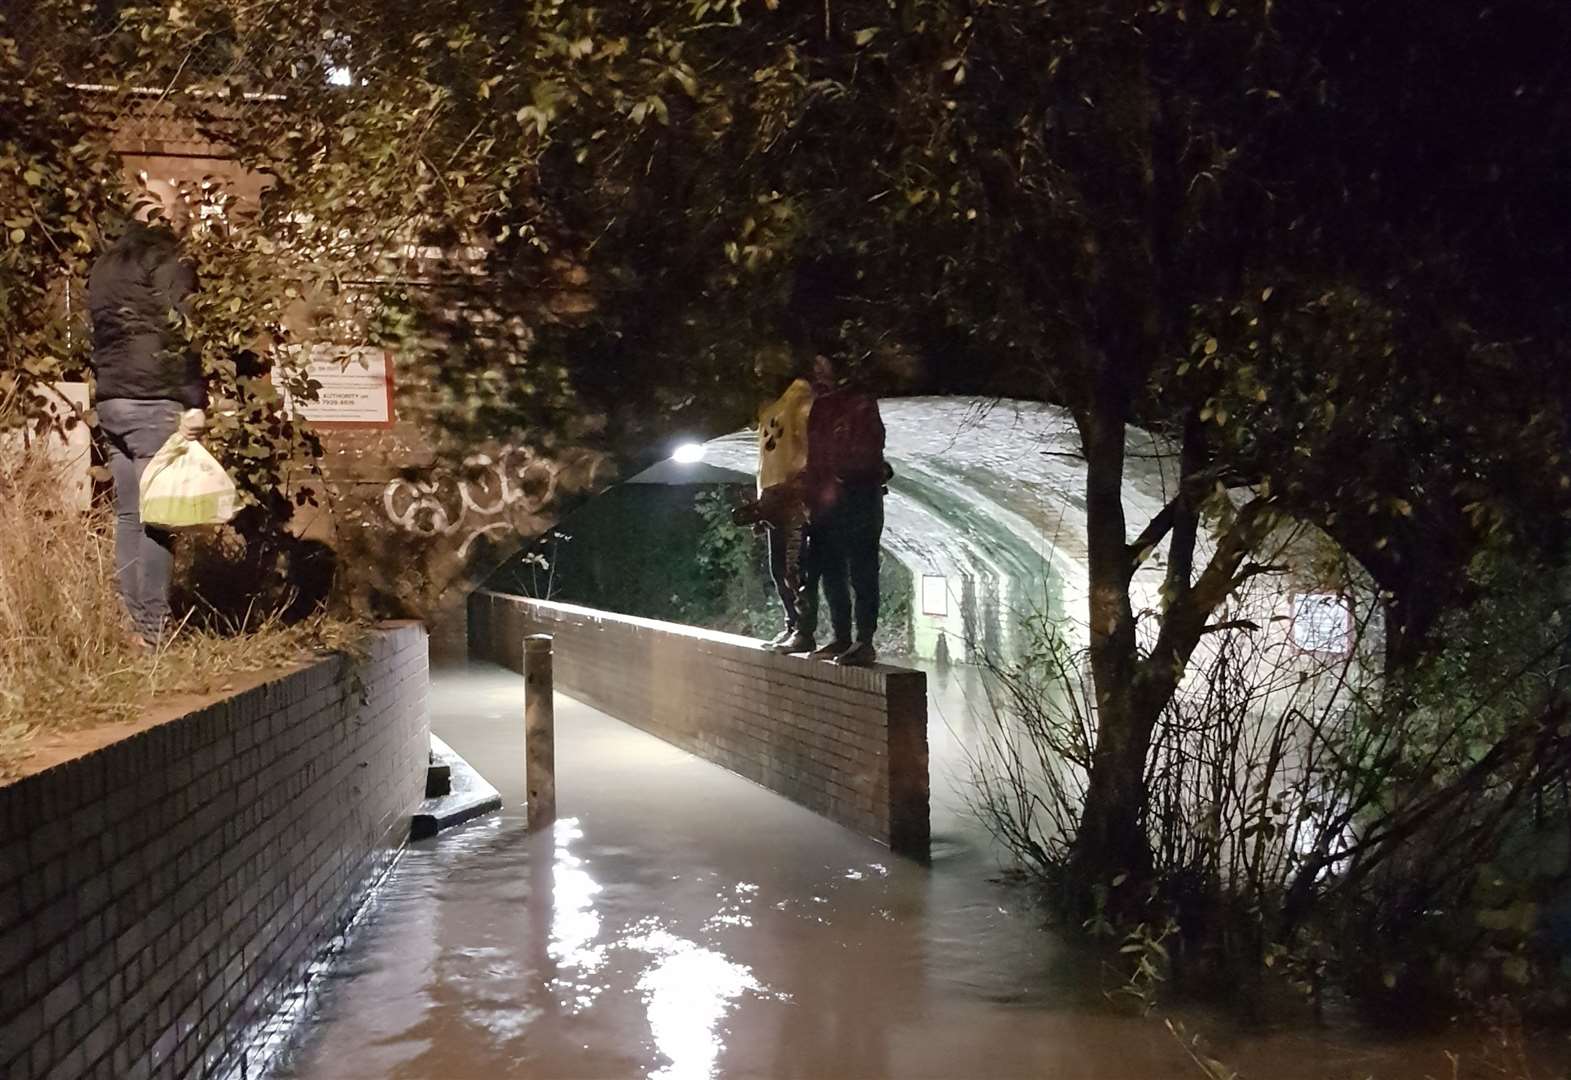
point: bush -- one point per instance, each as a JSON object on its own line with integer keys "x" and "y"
{"x": 1403, "y": 838}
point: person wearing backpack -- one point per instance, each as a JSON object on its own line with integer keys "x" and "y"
{"x": 781, "y": 515}
{"x": 844, "y": 489}
{"x": 147, "y": 385}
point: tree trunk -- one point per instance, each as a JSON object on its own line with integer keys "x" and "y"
{"x": 1132, "y": 692}
{"x": 1111, "y": 840}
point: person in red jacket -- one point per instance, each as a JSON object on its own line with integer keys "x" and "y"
{"x": 843, "y": 485}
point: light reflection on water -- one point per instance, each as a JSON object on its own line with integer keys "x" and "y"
{"x": 687, "y": 991}
{"x": 686, "y": 988}
{"x": 574, "y": 923}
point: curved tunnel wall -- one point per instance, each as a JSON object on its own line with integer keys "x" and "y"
{"x": 987, "y": 512}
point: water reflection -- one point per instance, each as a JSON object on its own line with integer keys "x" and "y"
{"x": 574, "y": 921}
{"x": 687, "y": 991}
{"x": 575, "y": 924}
{"x": 686, "y": 988}
{"x": 733, "y": 908}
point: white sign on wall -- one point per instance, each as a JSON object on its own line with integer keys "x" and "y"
{"x": 356, "y": 387}
{"x": 935, "y": 595}
{"x": 1323, "y": 623}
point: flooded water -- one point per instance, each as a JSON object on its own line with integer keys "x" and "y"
{"x": 681, "y": 923}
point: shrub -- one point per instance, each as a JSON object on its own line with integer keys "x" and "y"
{"x": 1398, "y": 836}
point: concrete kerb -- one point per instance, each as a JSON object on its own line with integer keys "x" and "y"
{"x": 471, "y": 796}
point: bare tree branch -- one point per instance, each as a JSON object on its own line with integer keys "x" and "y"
{"x": 1233, "y": 624}
{"x": 1155, "y": 532}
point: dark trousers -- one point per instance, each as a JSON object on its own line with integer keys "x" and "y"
{"x": 843, "y": 555}
{"x": 799, "y": 602}
{"x": 133, "y": 432}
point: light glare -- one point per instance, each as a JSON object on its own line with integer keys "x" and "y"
{"x": 688, "y": 454}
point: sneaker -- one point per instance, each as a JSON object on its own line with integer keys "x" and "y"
{"x": 862, "y": 654}
{"x": 780, "y": 639}
{"x": 800, "y": 643}
{"x": 830, "y": 651}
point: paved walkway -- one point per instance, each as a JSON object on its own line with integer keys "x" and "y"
{"x": 680, "y": 922}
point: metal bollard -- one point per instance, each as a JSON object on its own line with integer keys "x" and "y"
{"x": 539, "y": 732}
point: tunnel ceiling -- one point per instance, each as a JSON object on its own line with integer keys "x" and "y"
{"x": 990, "y": 488}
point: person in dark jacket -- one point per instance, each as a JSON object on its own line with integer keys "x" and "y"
{"x": 148, "y": 384}
{"x": 844, "y": 488}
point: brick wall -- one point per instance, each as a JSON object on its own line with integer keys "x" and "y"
{"x": 161, "y": 896}
{"x": 848, "y": 743}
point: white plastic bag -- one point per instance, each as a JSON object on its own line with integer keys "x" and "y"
{"x": 184, "y": 486}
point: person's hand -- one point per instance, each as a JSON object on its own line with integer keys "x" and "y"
{"x": 192, "y": 423}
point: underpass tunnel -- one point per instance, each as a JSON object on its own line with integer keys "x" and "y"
{"x": 986, "y": 511}
{"x": 985, "y": 515}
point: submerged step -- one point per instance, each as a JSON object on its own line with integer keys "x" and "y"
{"x": 469, "y": 795}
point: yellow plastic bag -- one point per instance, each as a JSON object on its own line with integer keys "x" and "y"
{"x": 184, "y": 486}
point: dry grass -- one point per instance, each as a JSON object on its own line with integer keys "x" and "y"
{"x": 66, "y": 660}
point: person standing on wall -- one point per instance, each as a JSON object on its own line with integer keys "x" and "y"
{"x": 147, "y": 384}
{"x": 844, "y": 488}
{"x": 782, "y": 514}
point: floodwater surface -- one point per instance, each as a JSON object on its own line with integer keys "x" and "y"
{"x": 681, "y": 923}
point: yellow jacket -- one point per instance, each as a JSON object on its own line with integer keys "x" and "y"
{"x": 782, "y": 436}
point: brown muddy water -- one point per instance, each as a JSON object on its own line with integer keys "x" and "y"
{"x": 681, "y": 923}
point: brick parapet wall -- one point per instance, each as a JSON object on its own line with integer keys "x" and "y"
{"x": 160, "y": 897}
{"x": 848, "y": 743}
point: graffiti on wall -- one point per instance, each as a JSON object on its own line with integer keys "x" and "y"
{"x": 482, "y": 497}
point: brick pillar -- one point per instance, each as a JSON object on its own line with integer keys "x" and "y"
{"x": 910, "y": 831}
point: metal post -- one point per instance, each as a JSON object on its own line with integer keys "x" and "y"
{"x": 539, "y": 732}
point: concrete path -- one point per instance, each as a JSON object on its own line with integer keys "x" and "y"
{"x": 680, "y": 922}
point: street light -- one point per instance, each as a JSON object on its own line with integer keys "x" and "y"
{"x": 688, "y": 454}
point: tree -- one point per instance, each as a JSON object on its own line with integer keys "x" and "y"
{"x": 382, "y": 184}
{"x": 1230, "y": 288}
{"x": 1190, "y": 216}
{"x": 54, "y": 174}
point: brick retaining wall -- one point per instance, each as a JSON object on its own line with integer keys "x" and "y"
{"x": 160, "y": 896}
{"x": 848, "y": 743}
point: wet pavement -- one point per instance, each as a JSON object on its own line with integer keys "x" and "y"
{"x": 681, "y": 923}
